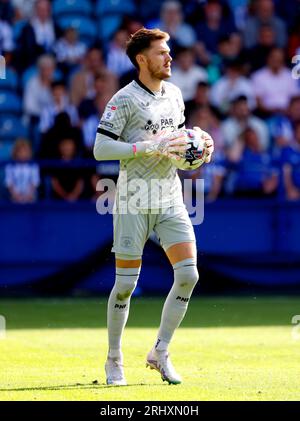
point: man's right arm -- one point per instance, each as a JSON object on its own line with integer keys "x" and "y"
{"x": 107, "y": 149}
{"x": 114, "y": 119}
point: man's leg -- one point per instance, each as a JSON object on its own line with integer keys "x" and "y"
{"x": 127, "y": 273}
{"x": 183, "y": 258}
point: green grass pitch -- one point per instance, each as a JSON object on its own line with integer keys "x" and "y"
{"x": 226, "y": 349}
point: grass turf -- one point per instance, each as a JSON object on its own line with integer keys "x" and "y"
{"x": 227, "y": 349}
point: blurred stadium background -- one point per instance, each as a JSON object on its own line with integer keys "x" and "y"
{"x": 236, "y": 62}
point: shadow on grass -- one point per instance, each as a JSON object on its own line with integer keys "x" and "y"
{"x": 75, "y": 313}
{"x": 76, "y": 386}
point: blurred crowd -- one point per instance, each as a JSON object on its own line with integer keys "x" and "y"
{"x": 237, "y": 63}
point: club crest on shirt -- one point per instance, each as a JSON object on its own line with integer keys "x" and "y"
{"x": 126, "y": 241}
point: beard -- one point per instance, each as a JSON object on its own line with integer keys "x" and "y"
{"x": 156, "y": 72}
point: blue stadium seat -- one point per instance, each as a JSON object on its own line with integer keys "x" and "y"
{"x": 10, "y": 104}
{"x": 86, "y": 27}
{"x": 120, "y": 7}
{"x": 5, "y": 152}
{"x": 11, "y": 128}
{"x": 108, "y": 25}
{"x": 10, "y": 83}
{"x": 75, "y": 7}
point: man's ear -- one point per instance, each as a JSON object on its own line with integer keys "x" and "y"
{"x": 141, "y": 59}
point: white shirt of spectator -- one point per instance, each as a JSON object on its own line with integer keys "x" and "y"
{"x": 22, "y": 177}
{"x": 225, "y": 90}
{"x": 274, "y": 90}
{"x": 49, "y": 113}
{"x": 187, "y": 81}
{"x": 118, "y": 61}
{"x": 6, "y": 37}
{"x": 70, "y": 53}
{"x": 36, "y": 97}
{"x": 44, "y": 32}
{"x": 233, "y": 128}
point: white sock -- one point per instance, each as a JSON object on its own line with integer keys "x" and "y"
{"x": 176, "y": 304}
{"x": 118, "y": 307}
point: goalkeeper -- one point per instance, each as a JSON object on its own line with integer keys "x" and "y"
{"x": 142, "y": 126}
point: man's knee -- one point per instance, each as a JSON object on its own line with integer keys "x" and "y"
{"x": 125, "y": 288}
{"x": 186, "y": 273}
{"x": 127, "y": 274}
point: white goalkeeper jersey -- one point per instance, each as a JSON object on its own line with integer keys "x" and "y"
{"x": 135, "y": 114}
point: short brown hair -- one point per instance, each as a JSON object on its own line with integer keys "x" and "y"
{"x": 141, "y": 40}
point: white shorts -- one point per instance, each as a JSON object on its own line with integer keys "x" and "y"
{"x": 132, "y": 231}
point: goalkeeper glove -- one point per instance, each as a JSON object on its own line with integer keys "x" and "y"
{"x": 208, "y": 145}
{"x": 171, "y": 146}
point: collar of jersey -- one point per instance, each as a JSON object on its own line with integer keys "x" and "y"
{"x": 163, "y": 91}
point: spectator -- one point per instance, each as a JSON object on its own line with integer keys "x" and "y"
{"x": 214, "y": 26}
{"x": 67, "y": 182}
{"x": 60, "y": 103}
{"x": 83, "y": 81}
{"x": 69, "y": 51}
{"x": 229, "y": 48}
{"x": 258, "y": 54}
{"x": 251, "y": 171}
{"x": 186, "y": 74}
{"x": 230, "y": 86}
{"x": 37, "y": 37}
{"x": 61, "y": 129}
{"x": 294, "y": 110}
{"x": 24, "y": 9}
{"x": 201, "y": 99}
{"x": 239, "y": 9}
{"x": 213, "y": 176}
{"x": 205, "y": 118}
{"x": 22, "y": 177}
{"x": 6, "y": 11}
{"x": 239, "y": 120}
{"x": 90, "y": 110}
{"x": 264, "y": 14}
{"x": 291, "y": 167}
{"x": 6, "y": 38}
{"x": 172, "y": 21}
{"x": 117, "y": 60}
{"x": 37, "y": 94}
{"x": 282, "y": 127}
{"x": 90, "y": 123}
{"x": 273, "y": 85}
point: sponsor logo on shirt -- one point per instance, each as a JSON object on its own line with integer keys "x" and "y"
{"x": 109, "y": 112}
{"x": 163, "y": 124}
{"x": 107, "y": 124}
{"x": 145, "y": 105}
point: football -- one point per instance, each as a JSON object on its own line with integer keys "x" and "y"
{"x": 194, "y": 155}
